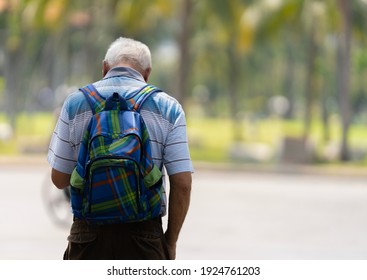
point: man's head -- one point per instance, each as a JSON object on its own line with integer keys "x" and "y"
{"x": 128, "y": 52}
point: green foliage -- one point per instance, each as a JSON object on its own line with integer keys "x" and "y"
{"x": 33, "y": 125}
{"x": 242, "y": 51}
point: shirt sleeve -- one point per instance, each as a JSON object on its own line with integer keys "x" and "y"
{"x": 61, "y": 155}
{"x": 176, "y": 155}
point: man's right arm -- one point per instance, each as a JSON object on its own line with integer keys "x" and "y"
{"x": 179, "y": 201}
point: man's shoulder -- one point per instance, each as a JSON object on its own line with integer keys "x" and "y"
{"x": 159, "y": 102}
{"x": 165, "y": 105}
{"x": 75, "y": 104}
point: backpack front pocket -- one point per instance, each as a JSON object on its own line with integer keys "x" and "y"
{"x": 114, "y": 191}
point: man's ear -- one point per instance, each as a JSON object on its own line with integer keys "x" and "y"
{"x": 146, "y": 74}
{"x": 105, "y": 68}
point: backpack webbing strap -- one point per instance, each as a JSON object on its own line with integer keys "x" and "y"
{"x": 96, "y": 101}
{"x": 139, "y": 98}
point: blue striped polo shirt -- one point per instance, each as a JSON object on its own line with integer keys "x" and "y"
{"x": 163, "y": 115}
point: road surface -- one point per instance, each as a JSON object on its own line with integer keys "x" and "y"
{"x": 234, "y": 215}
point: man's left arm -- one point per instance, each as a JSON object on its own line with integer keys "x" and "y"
{"x": 59, "y": 179}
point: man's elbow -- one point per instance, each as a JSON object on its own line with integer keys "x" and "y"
{"x": 186, "y": 188}
{"x": 59, "y": 179}
{"x": 58, "y": 185}
{"x": 181, "y": 182}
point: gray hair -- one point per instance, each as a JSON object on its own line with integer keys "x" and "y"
{"x": 129, "y": 51}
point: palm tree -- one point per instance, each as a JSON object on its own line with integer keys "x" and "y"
{"x": 184, "y": 47}
{"x": 226, "y": 28}
{"x": 285, "y": 23}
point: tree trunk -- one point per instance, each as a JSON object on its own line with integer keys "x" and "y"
{"x": 343, "y": 80}
{"x": 184, "y": 67}
{"x": 325, "y": 113}
{"x": 309, "y": 88}
{"x": 233, "y": 97}
{"x": 13, "y": 64}
{"x": 289, "y": 81}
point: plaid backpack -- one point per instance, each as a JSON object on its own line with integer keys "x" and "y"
{"x": 115, "y": 179}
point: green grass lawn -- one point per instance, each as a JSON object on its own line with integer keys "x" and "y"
{"x": 31, "y": 135}
{"x": 210, "y": 139}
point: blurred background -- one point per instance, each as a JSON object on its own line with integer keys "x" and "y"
{"x": 254, "y": 77}
{"x": 266, "y": 85}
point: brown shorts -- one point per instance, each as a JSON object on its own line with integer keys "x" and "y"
{"x": 132, "y": 241}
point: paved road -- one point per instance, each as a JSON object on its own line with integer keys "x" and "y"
{"x": 233, "y": 215}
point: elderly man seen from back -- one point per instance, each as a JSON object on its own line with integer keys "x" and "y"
{"x": 126, "y": 68}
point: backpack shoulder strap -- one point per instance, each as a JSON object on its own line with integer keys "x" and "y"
{"x": 141, "y": 96}
{"x": 96, "y": 101}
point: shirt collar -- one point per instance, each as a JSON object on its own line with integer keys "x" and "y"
{"x": 124, "y": 71}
